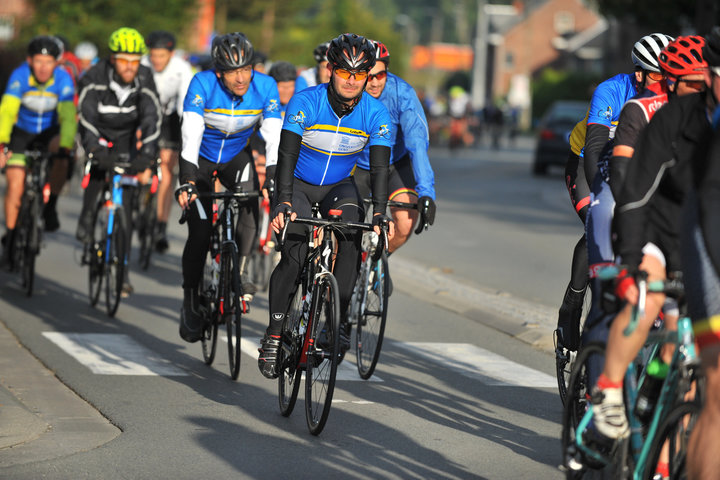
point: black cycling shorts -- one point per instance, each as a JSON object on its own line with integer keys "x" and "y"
{"x": 401, "y": 179}
{"x": 170, "y": 134}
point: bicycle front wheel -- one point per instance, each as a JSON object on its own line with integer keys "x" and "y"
{"x": 673, "y": 435}
{"x": 116, "y": 255}
{"x": 289, "y": 370}
{"x": 96, "y": 253}
{"x": 231, "y": 307}
{"x": 28, "y": 239}
{"x": 371, "y": 322}
{"x": 323, "y": 353}
{"x": 146, "y": 227}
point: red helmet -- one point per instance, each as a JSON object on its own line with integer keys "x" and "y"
{"x": 684, "y": 56}
{"x": 381, "y": 52}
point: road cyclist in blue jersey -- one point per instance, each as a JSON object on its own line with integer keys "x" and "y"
{"x": 221, "y": 110}
{"x": 320, "y": 72}
{"x": 325, "y": 130}
{"x": 37, "y": 107}
{"x": 411, "y": 178}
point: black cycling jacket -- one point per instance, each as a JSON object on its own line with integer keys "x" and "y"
{"x": 110, "y": 110}
{"x": 707, "y": 180}
{"x": 657, "y": 179}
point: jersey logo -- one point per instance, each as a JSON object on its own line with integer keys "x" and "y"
{"x": 298, "y": 118}
{"x": 273, "y": 107}
{"x": 607, "y": 114}
{"x": 15, "y": 85}
{"x": 66, "y": 91}
{"x": 383, "y": 132}
{"x": 197, "y": 101}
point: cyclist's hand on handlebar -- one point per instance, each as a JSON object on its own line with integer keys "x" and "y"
{"x": 626, "y": 288}
{"x": 279, "y": 213}
{"x": 426, "y": 207}
{"x": 186, "y": 194}
{"x": 379, "y": 220}
{"x": 5, "y": 154}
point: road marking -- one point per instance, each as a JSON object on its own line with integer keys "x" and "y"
{"x": 113, "y": 354}
{"x": 347, "y": 371}
{"x": 480, "y": 364}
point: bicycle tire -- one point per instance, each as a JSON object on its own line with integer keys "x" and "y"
{"x": 146, "y": 229}
{"x": 289, "y": 369}
{"x": 209, "y": 300}
{"x": 232, "y": 307}
{"x": 323, "y": 352}
{"x": 676, "y": 430}
{"x": 32, "y": 249}
{"x": 116, "y": 262}
{"x": 371, "y": 322}
{"x": 564, "y": 358}
{"x": 96, "y": 257}
{"x": 575, "y": 407}
{"x": 26, "y": 241}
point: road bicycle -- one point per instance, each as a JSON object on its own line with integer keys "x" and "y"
{"x": 369, "y": 302}
{"x": 221, "y": 295}
{"x": 29, "y": 229}
{"x": 146, "y": 218}
{"x": 673, "y": 417}
{"x": 564, "y": 358}
{"x": 310, "y": 340}
{"x": 108, "y": 250}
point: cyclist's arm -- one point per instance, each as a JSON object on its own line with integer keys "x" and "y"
{"x": 67, "y": 116}
{"x": 709, "y": 198}
{"x": 632, "y": 122}
{"x": 417, "y": 140}
{"x": 150, "y": 115}
{"x": 270, "y": 131}
{"x": 288, "y": 152}
{"x": 9, "y": 108}
{"x": 193, "y": 127}
{"x": 88, "y": 116}
{"x": 379, "y": 161}
{"x": 595, "y": 139}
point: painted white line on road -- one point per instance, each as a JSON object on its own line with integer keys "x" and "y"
{"x": 347, "y": 371}
{"x": 112, "y": 354}
{"x": 480, "y": 364}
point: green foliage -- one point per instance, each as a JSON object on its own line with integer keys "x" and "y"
{"x": 554, "y": 85}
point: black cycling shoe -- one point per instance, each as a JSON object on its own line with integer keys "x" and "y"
{"x": 568, "y": 329}
{"x": 267, "y": 360}
{"x": 7, "y": 241}
{"x": 192, "y": 322}
{"x": 50, "y": 216}
{"x": 345, "y": 332}
{"x": 162, "y": 245}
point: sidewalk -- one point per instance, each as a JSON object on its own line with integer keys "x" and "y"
{"x": 40, "y": 418}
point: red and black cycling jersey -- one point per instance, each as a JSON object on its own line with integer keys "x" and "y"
{"x": 658, "y": 177}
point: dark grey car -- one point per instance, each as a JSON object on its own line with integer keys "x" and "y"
{"x": 553, "y": 147}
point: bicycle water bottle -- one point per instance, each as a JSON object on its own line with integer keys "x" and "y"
{"x": 649, "y": 392}
{"x": 305, "y": 313}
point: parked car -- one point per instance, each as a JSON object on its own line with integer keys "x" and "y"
{"x": 554, "y": 129}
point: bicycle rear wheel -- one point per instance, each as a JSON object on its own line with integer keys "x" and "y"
{"x": 209, "y": 300}
{"x": 116, "y": 262}
{"x": 674, "y": 432}
{"x": 564, "y": 358}
{"x": 289, "y": 370}
{"x": 371, "y": 322}
{"x": 231, "y": 306}
{"x": 323, "y": 353}
{"x": 96, "y": 256}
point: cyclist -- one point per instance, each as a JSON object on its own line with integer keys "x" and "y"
{"x": 37, "y": 107}
{"x": 647, "y": 216}
{"x": 258, "y": 61}
{"x": 324, "y": 132}
{"x": 602, "y": 119}
{"x": 172, "y": 76}
{"x": 222, "y": 108}
{"x": 701, "y": 273}
{"x": 86, "y": 52}
{"x": 117, "y": 99}
{"x": 320, "y": 73}
{"x": 411, "y": 177}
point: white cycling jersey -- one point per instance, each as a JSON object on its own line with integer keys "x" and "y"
{"x": 172, "y": 83}
{"x": 310, "y": 75}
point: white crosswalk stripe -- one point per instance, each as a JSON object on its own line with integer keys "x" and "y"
{"x": 113, "y": 354}
{"x": 118, "y": 354}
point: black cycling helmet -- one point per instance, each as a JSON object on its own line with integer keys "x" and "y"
{"x": 259, "y": 57}
{"x": 351, "y": 52}
{"x": 231, "y": 51}
{"x": 160, "y": 39}
{"x": 711, "y": 50}
{"x": 45, "y": 45}
{"x": 320, "y": 52}
{"x": 283, "y": 72}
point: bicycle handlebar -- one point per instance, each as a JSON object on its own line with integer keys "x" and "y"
{"x": 337, "y": 224}
{"x": 224, "y": 195}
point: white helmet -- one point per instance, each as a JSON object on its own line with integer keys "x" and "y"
{"x": 646, "y": 51}
{"x": 86, "y": 51}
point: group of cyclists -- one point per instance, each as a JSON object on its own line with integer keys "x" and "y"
{"x": 643, "y": 177}
{"x": 337, "y": 134}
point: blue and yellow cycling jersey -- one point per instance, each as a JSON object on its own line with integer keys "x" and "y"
{"x": 332, "y": 145}
{"x": 609, "y": 98}
{"x": 35, "y": 108}
{"x": 228, "y": 121}
{"x": 409, "y": 133}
